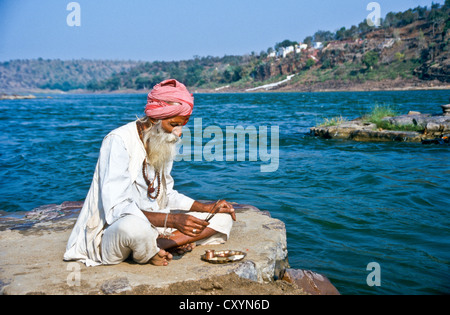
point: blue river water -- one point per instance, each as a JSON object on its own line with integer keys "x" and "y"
{"x": 345, "y": 204}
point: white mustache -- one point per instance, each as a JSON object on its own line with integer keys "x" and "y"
{"x": 175, "y": 135}
{"x": 172, "y": 138}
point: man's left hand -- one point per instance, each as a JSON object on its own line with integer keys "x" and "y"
{"x": 225, "y": 207}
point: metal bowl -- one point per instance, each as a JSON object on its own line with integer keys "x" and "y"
{"x": 224, "y": 256}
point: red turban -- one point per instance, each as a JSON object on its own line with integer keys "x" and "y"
{"x": 169, "y": 91}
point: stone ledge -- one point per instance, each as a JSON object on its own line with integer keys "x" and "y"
{"x": 32, "y": 247}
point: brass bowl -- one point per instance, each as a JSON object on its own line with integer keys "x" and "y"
{"x": 224, "y": 256}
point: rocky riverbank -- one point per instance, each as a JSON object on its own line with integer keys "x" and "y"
{"x": 32, "y": 245}
{"x": 16, "y": 97}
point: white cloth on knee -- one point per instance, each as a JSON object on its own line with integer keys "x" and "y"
{"x": 129, "y": 235}
{"x": 221, "y": 223}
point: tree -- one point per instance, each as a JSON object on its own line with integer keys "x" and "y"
{"x": 308, "y": 40}
{"x": 370, "y": 59}
{"x": 363, "y": 28}
{"x": 399, "y": 56}
{"x": 421, "y": 12}
{"x": 341, "y": 34}
{"x": 113, "y": 83}
{"x": 93, "y": 85}
{"x": 323, "y": 36}
{"x": 437, "y": 17}
{"x": 391, "y": 20}
{"x": 143, "y": 82}
{"x": 309, "y": 63}
{"x": 353, "y": 32}
{"x": 284, "y": 44}
{"x": 193, "y": 75}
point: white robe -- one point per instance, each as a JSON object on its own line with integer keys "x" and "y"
{"x": 118, "y": 189}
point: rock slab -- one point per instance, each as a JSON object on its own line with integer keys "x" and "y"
{"x": 32, "y": 248}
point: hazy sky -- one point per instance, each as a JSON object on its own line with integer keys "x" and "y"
{"x": 171, "y": 30}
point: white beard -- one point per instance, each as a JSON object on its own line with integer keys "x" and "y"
{"x": 161, "y": 149}
{"x": 160, "y": 146}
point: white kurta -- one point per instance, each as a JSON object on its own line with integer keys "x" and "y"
{"x": 118, "y": 189}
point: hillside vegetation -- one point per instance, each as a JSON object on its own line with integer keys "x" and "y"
{"x": 410, "y": 46}
{"x": 65, "y": 75}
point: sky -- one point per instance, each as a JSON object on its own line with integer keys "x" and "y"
{"x": 168, "y": 30}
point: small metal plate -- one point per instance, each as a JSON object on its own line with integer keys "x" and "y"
{"x": 225, "y": 256}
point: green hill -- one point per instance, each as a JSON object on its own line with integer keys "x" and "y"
{"x": 410, "y": 46}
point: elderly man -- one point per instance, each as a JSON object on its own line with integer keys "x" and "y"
{"x": 127, "y": 211}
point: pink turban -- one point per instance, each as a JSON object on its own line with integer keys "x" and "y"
{"x": 169, "y": 91}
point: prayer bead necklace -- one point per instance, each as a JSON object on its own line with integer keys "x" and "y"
{"x": 150, "y": 187}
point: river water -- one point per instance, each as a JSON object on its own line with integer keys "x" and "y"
{"x": 345, "y": 204}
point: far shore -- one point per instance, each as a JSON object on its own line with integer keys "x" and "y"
{"x": 335, "y": 86}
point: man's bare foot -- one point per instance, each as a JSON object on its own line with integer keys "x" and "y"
{"x": 162, "y": 258}
{"x": 183, "y": 249}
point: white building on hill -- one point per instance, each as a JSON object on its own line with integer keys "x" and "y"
{"x": 284, "y": 51}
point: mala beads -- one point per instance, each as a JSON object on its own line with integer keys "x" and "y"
{"x": 150, "y": 185}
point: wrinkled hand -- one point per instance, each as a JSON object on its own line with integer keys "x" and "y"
{"x": 188, "y": 224}
{"x": 225, "y": 207}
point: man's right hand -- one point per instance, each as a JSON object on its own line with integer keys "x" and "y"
{"x": 188, "y": 224}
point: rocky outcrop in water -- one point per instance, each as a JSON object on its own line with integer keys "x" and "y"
{"x": 428, "y": 126}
